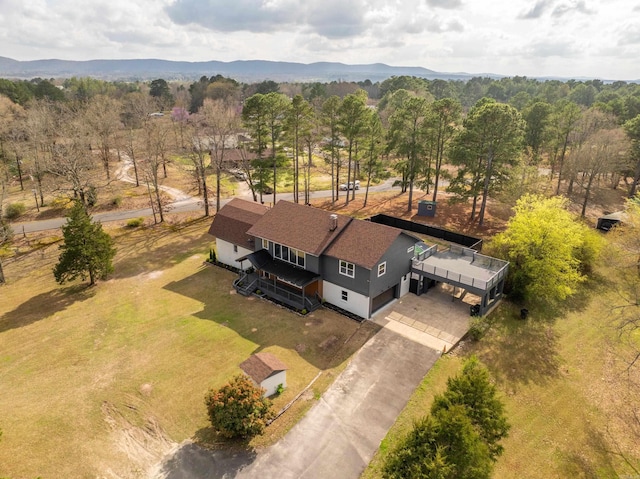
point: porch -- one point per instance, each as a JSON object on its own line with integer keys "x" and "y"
{"x": 279, "y": 281}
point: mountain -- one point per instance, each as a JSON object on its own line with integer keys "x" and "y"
{"x": 245, "y": 71}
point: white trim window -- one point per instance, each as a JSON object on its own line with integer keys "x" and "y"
{"x": 290, "y": 255}
{"x": 347, "y": 269}
{"x": 265, "y": 243}
{"x": 382, "y": 269}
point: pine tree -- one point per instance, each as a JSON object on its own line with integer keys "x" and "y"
{"x": 87, "y": 249}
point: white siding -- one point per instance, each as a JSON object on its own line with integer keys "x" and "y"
{"x": 271, "y": 384}
{"x": 226, "y": 255}
{"x": 404, "y": 284}
{"x": 356, "y": 303}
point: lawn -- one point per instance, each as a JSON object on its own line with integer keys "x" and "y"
{"x": 564, "y": 385}
{"x": 103, "y": 381}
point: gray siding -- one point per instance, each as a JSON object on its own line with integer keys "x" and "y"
{"x": 398, "y": 264}
{"x": 331, "y": 273}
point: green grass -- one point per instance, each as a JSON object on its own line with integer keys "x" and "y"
{"x": 560, "y": 377}
{"x": 100, "y": 376}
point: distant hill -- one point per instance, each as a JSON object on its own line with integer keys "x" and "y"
{"x": 245, "y": 71}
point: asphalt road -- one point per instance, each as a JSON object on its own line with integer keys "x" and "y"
{"x": 180, "y": 206}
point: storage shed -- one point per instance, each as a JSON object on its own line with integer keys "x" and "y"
{"x": 266, "y": 371}
{"x": 427, "y": 208}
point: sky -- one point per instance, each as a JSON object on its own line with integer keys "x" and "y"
{"x": 564, "y": 38}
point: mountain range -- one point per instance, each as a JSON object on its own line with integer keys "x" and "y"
{"x": 244, "y": 71}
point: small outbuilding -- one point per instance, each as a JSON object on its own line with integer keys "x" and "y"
{"x": 266, "y": 371}
{"x": 606, "y": 222}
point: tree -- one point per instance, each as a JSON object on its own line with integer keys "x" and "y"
{"x": 473, "y": 390}
{"x": 548, "y": 250}
{"x": 443, "y": 124}
{"x": 276, "y": 106}
{"x": 351, "y": 124}
{"x": 298, "y": 123}
{"x": 102, "y": 116}
{"x": 632, "y": 129}
{"x": 460, "y": 438}
{"x": 159, "y": 89}
{"x": 87, "y": 249}
{"x": 373, "y": 150}
{"x": 329, "y": 116}
{"x": 564, "y": 119}
{"x": 485, "y": 152}
{"x": 407, "y": 130}
{"x": 238, "y": 408}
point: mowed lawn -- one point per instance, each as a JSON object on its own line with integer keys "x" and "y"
{"x": 102, "y": 381}
{"x": 563, "y": 380}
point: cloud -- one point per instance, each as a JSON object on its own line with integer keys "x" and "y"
{"x": 629, "y": 35}
{"x": 537, "y": 10}
{"x": 331, "y": 19}
{"x": 577, "y": 6}
{"x": 547, "y": 48}
{"x": 447, "y": 4}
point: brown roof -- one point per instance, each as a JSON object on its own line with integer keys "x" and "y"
{"x": 234, "y": 219}
{"x": 299, "y": 226}
{"x": 363, "y": 243}
{"x": 260, "y": 366}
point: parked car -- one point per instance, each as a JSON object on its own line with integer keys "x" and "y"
{"x": 352, "y": 185}
{"x": 238, "y": 174}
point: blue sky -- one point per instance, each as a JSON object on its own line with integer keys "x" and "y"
{"x": 568, "y": 38}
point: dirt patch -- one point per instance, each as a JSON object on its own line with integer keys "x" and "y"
{"x": 144, "y": 446}
{"x": 329, "y": 342}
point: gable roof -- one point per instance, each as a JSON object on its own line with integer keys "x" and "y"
{"x": 260, "y": 366}
{"x": 364, "y": 243}
{"x": 299, "y": 226}
{"x": 234, "y": 219}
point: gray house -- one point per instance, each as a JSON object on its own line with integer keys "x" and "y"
{"x": 303, "y": 256}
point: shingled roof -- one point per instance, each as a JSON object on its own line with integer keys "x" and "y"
{"x": 298, "y": 226}
{"x": 260, "y": 366}
{"x": 234, "y": 219}
{"x": 363, "y": 243}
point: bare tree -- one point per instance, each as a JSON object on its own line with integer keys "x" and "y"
{"x": 103, "y": 119}
{"x": 40, "y": 130}
{"x": 155, "y": 141}
{"x": 220, "y": 122}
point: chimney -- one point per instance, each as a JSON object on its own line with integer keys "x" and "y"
{"x": 334, "y": 222}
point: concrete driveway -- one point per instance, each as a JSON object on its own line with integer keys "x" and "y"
{"x": 438, "y": 318}
{"x": 339, "y": 435}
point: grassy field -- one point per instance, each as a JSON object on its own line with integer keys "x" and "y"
{"x": 102, "y": 381}
{"x": 562, "y": 378}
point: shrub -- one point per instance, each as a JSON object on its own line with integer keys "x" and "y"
{"x": 61, "y": 203}
{"x": 135, "y": 222}
{"x": 238, "y": 408}
{"x": 279, "y": 389}
{"x": 14, "y": 210}
{"x": 117, "y": 201}
{"x": 477, "y": 328}
{"x": 212, "y": 256}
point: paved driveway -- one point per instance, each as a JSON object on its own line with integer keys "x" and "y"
{"x": 339, "y": 435}
{"x": 438, "y": 318}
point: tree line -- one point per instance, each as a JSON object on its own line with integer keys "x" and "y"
{"x": 425, "y": 133}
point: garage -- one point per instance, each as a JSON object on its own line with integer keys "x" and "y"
{"x": 382, "y": 299}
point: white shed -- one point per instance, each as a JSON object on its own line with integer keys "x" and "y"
{"x": 266, "y": 371}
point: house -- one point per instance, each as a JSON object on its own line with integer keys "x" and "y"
{"x": 266, "y": 371}
{"x": 230, "y": 228}
{"x": 302, "y": 256}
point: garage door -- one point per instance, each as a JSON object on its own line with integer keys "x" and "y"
{"x": 382, "y": 299}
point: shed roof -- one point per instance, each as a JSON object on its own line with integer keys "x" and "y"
{"x": 261, "y": 366}
{"x": 234, "y": 219}
{"x": 302, "y": 227}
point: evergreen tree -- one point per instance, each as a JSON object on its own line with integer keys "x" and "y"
{"x": 87, "y": 249}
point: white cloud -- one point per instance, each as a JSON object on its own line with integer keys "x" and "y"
{"x": 559, "y": 37}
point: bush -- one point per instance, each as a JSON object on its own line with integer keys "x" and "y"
{"x": 280, "y": 389}
{"x": 477, "y": 328}
{"x": 135, "y": 222}
{"x": 238, "y": 408}
{"x": 117, "y": 201}
{"x": 14, "y": 210}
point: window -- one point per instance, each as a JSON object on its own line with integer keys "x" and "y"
{"x": 265, "y": 243}
{"x": 290, "y": 255}
{"x": 345, "y": 295}
{"x": 235, "y": 248}
{"x": 382, "y": 268}
{"x": 347, "y": 269}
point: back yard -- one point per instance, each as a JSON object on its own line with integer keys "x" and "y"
{"x": 105, "y": 381}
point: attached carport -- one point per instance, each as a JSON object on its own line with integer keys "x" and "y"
{"x": 460, "y": 267}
